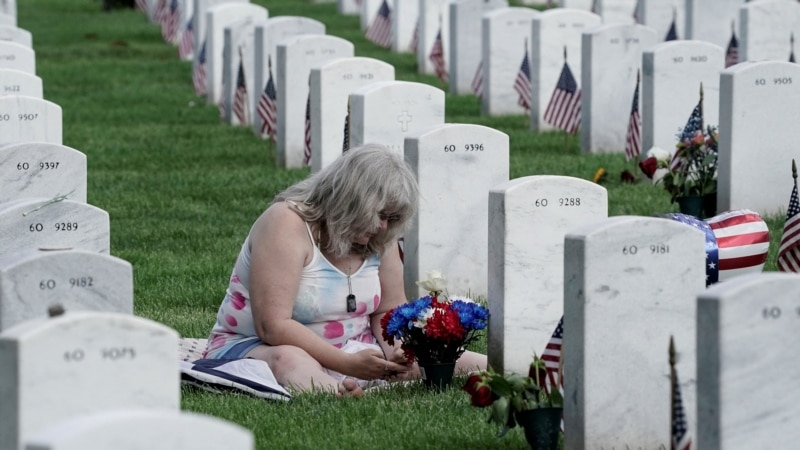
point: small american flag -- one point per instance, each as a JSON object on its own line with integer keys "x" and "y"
{"x": 161, "y": 12}
{"x": 186, "y": 45}
{"x": 672, "y": 33}
{"x": 437, "y": 57}
{"x": 564, "y": 109}
{"x": 141, "y": 5}
{"x": 268, "y": 107}
{"x": 477, "y": 81}
{"x": 522, "y": 84}
{"x": 637, "y": 11}
{"x": 199, "y": 73}
{"x": 240, "y": 96}
{"x": 380, "y": 31}
{"x": 789, "y": 251}
{"x": 693, "y": 126}
{"x": 307, "y": 140}
{"x": 680, "y": 434}
{"x": 633, "y": 143}
{"x": 346, "y": 141}
{"x": 415, "y": 38}
{"x": 791, "y": 48}
{"x": 732, "y": 52}
{"x": 169, "y": 29}
{"x": 552, "y": 358}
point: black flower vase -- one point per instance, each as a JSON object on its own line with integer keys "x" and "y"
{"x": 691, "y": 205}
{"x": 710, "y": 205}
{"x": 437, "y": 376}
{"x": 542, "y": 427}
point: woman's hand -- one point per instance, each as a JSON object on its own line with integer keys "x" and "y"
{"x": 369, "y": 364}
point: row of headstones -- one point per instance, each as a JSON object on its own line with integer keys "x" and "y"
{"x": 673, "y": 72}
{"x": 67, "y": 389}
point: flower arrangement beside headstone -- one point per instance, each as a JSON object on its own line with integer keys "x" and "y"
{"x": 521, "y": 400}
{"x": 435, "y": 330}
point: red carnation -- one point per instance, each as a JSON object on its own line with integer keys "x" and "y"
{"x": 445, "y": 324}
{"x": 649, "y": 166}
{"x": 480, "y": 393}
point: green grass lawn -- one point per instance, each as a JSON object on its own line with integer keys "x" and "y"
{"x": 182, "y": 191}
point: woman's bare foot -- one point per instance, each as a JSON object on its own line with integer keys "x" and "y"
{"x": 350, "y": 388}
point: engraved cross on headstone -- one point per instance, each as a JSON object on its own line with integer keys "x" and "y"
{"x": 404, "y": 118}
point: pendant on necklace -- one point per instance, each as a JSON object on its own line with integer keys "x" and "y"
{"x": 351, "y": 303}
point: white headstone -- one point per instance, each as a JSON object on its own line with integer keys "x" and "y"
{"x": 505, "y": 32}
{"x": 659, "y": 14}
{"x": 296, "y": 56}
{"x": 456, "y": 165}
{"x": 217, "y": 18}
{"x": 199, "y": 21}
{"x": 79, "y": 280}
{"x": 616, "y": 11}
{"x": 44, "y": 223}
{"x": 17, "y": 82}
{"x": 331, "y": 85}
{"x": 18, "y": 35}
{"x": 464, "y": 55}
{"x": 9, "y": 7}
{"x": 630, "y": 283}
{"x": 348, "y": 7}
{"x": 368, "y": 10}
{"x": 554, "y": 31}
{"x": 8, "y": 19}
{"x": 744, "y": 161}
{"x": 29, "y": 119}
{"x": 267, "y": 36}
{"x": 612, "y": 57}
{"x": 405, "y": 16}
{"x": 768, "y": 29}
{"x": 528, "y": 218}
{"x": 577, "y": 4}
{"x": 17, "y": 56}
{"x": 747, "y": 368}
{"x": 39, "y": 169}
{"x": 140, "y": 429}
{"x": 672, "y": 73}
{"x": 433, "y": 18}
{"x": 239, "y": 40}
{"x": 710, "y": 20}
{"x": 54, "y": 369}
{"x": 387, "y": 111}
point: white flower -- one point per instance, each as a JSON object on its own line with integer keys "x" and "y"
{"x": 662, "y": 156}
{"x": 458, "y": 297}
{"x": 435, "y": 283}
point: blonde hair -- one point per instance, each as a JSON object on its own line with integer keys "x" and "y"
{"x": 345, "y": 197}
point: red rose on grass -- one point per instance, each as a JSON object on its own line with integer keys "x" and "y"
{"x": 479, "y": 391}
{"x": 649, "y": 166}
{"x": 627, "y": 177}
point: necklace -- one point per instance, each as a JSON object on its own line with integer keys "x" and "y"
{"x": 351, "y": 298}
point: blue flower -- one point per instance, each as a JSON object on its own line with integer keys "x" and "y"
{"x": 472, "y": 315}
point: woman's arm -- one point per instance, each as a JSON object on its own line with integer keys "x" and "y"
{"x": 392, "y": 294}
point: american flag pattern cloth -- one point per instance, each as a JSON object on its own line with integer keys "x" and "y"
{"x": 268, "y": 107}
{"x": 477, "y": 81}
{"x": 307, "y": 139}
{"x": 672, "y": 33}
{"x": 564, "y": 109}
{"x": 732, "y": 52}
{"x": 415, "y": 38}
{"x": 737, "y": 242}
{"x": 789, "y": 250}
{"x": 522, "y": 84}
{"x": 680, "y": 433}
{"x": 186, "y": 44}
{"x": 693, "y": 126}
{"x": 552, "y": 358}
{"x": 169, "y": 28}
{"x": 199, "y": 73}
{"x": 380, "y": 30}
{"x": 633, "y": 143}
{"x": 437, "y": 57}
{"x": 240, "y": 96}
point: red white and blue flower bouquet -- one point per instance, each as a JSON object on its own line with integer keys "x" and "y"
{"x": 435, "y": 330}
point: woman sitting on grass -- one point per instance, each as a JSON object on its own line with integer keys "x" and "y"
{"x": 317, "y": 272}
